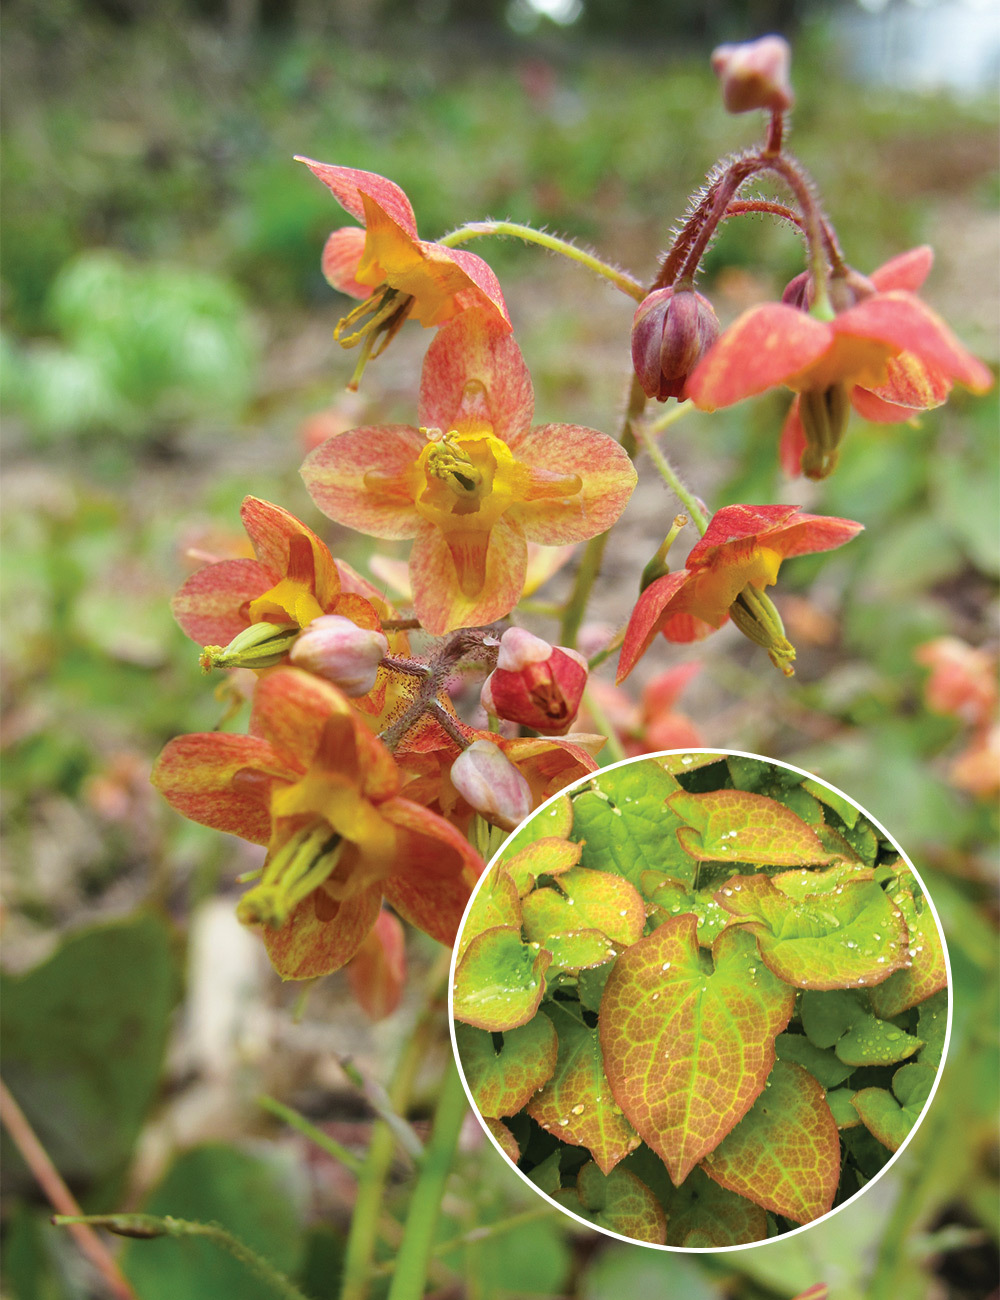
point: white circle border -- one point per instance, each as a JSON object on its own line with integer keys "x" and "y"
{"x": 764, "y": 1241}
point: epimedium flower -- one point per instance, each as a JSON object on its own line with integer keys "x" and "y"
{"x": 475, "y": 483}
{"x": 312, "y": 783}
{"x": 725, "y": 575}
{"x": 249, "y": 612}
{"x": 884, "y": 352}
{"x": 395, "y": 273}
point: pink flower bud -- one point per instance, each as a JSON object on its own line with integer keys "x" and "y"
{"x": 755, "y": 75}
{"x": 488, "y": 780}
{"x": 535, "y": 684}
{"x": 671, "y": 331}
{"x": 345, "y": 654}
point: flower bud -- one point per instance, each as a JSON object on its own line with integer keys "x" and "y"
{"x": 535, "y": 684}
{"x": 755, "y": 75}
{"x": 345, "y": 654}
{"x": 671, "y": 331}
{"x": 490, "y": 782}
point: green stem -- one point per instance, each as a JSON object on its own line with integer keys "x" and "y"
{"x": 371, "y": 1183}
{"x": 613, "y": 748}
{"x": 687, "y": 499}
{"x": 590, "y": 565}
{"x": 473, "y": 1236}
{"x": 414, "y": 1253}
{"x": 315, "y": 1135}
{"x": 476, "y": 229}
{"x": 153, "y": 1225}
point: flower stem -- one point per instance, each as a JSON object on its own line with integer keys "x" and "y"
{"x": 425, "y": 1200}
{"x": 60, "y": 1197}
{"x": 315, "y": 1135}
{"x": 476, "y": 229}
{"x": 596, "y": 710}
{"x": 153, "y": 1225}
{"x": 367, "y": 1208}
{"x": 687, "y": 499}
{"x": 590, "y": 565}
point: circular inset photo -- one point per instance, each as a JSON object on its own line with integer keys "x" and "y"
{"x": 700, "y": 1000}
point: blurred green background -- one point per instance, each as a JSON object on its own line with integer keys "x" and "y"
{"x": 167, "y": 334}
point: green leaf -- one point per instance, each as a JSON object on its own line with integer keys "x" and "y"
{"x": 735, "y": 826}
{"x": 502, "y": 1081}
{"x": 500, "y": 981}
{"x": 627, "y": 826}
{"x": 590, "y": 985}
{"x": 821, "y": 1063}
{"x": 547, "y": 856}
{"x": 890, "y": 1118}
{"x": 932, "y": 1026}
{"x": 248, "y": 1196}
{"x": 687, "y": 1047}
{"x": 826, "y": 1017}
{"x": 576, "y": 1103}
{"x": 805, "y": 883}
{"x": 703, "y": 1215}
{"x": 678, "y": 764}
{"x": 851, "y": 936}
{"x": 842, "y": 806}
{"x": 555, "y": 821}
{"x": 926, "y": 974}
{"x": 84, "y": 1035}
{"x": 871, "y": 1041}
{"x": 571, "y": 950}
{"x": 495, "y": 903}
{"x": 785, "y": 1155}
{"x": 546, "y": 1175}
{"x": 620, "y": 1202}
{"x": 669, "y": 898}
{"x": 840, "y": 1101}
{"x": 624, "y": 1271}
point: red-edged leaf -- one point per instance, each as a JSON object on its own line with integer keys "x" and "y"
{"x": 850, "y": 935}
{"x": 505, "y": 1139}
{"x": 785, "y": 1154}
{"x": 576, "y": 1103}
{"x": 584, "y": 899}
{"x": 926, "y": 972}
{"x": 668, "y": 897}
{"x": 687, "y": 1048}
{"x": 495, "y": 903}
{"x": 620, "y": 1202}
{"x": 736, "y": 826}
{"x": 891, "y": 1117}
{"x": 500, "y": 980}
{"x": 503, "y": 1081}
{"x": 550, "y": 856}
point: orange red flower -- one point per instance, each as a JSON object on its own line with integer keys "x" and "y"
{"x": 475, "y": 482}
{"x": 312, "y": 783}
{"x": 742, "y": 547}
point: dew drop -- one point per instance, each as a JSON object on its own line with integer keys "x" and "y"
{"x": 665, "y": 966}
{"x": 577, "y": 1109}
{"x": 564, "y": 1122}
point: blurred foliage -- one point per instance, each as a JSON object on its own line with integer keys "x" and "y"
{"x": 163, "y": 301}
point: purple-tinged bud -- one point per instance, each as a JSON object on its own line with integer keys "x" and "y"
{"x": 798, "y": 292}
{"x": 345, "y": 654}
{"x": 486, "y": 778}
{"x": 847, "y": 288}
{"x": 671, "y": 331}
{"x": 755, "y": 75}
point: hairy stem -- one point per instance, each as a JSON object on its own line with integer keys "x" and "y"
{"x": 596, "y": 710}
{"x": 670, "y": 476}
{"x": 476, "y": 229}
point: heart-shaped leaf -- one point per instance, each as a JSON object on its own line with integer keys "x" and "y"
{"x": 932, "y": 1027}
{"x": 548, "y": 856}
{"x": 703, "y": 1215}
{"x": 890, "y": 1118}
{"x": 495, "y": 903}
{"x": 620, "y": 1202}
{"x": 627, "y": 826}
{"x": 688, "y": 1041}
{"x": 576, "y": 1103}
{"x": 785, "y": 1154}
{"x": 668, "y": 897}
{"x": 500, "y": 980}
{"x": 554, "y": 821}
{"x": 840, "y": 1102}
{"x": 505, "y": 1139}
{"x": 545, "y": 924}
{"x": 926, "y": 974}
{"x": 853, "y": 935}
{"x": 845, "y": 810}
{"x": 736, "y": 826}
{"x": 822, "y": 1064}
{"x": 503, "y": 1079}
{"x": 587, "y": 900}
{"x": 871, "y": 1041}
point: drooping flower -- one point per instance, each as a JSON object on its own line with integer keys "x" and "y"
{"x": 475, "y": 483}
{"x": 292, "y": 581}
{"x": 535, "y": 684}
{"x": 886, "y": 353}
{"x": 739, "y": 555}
{"x": 755, "y": 74}
{"x": 312, "y": 783}
{"x": 396, "y": 274}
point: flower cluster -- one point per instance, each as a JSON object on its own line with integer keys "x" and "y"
{"x": 362, "y": 773}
